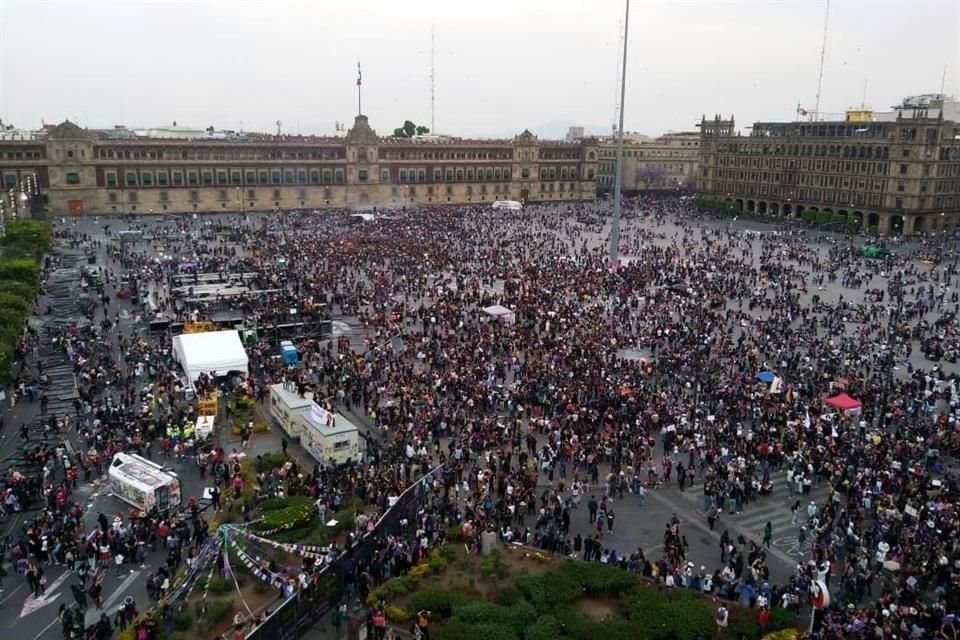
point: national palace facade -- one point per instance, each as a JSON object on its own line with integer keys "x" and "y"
{"x": 895, "y": 172}
{"x": 82, "y": 172}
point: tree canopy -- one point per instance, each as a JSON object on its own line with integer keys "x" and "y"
{"x": 409, "y": 129}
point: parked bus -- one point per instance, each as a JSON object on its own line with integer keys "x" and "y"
{"x": 144, "y": 484}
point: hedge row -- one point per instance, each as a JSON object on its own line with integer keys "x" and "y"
{"x": 538, "y": 607}
{"x": 21, "y": 249}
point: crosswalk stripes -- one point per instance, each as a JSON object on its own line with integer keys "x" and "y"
{"x": 773, "y": 508}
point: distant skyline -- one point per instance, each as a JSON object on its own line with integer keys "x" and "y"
{"x": 501, "y": 65}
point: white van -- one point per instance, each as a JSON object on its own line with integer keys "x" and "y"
{"x": 144, "y": 484}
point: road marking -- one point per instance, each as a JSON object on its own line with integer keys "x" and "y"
{"x": 46, "y": 628}
{"x": 11, "y": 594}
{"x": 32, "y": 604}
{"x": 116, "y": 595}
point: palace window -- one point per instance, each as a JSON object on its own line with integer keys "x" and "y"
{"x": 164, "y": 196}
{"x": 146, "y": 178}
{"x": 111, "y": 179}
{"x": 177, "y": 178}
{"x": 207, "y": 177}
{"x": 276, "y": 177}
{"x": 251, "y": 177}
{"x": 301, "y": 177}
{"x": 288, "y": 176}
{"x": 221, "y": 177}
{"x": 194, "y": 196}
{"x": 362, "y": 175}
{"x": 264, "y": 177}
{"x": 161, "y": 178}
{"x": 327, "y": 176}
{"x": 314, "y": 176}
{"x": 338, "y": 176}
{"x": 131, "y": 179}
{"x": 192, "y": 178}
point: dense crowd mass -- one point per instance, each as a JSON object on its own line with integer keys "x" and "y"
{"x": 599, "y": 387}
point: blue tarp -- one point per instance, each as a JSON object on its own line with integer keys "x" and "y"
{"x": 766, "y": 376}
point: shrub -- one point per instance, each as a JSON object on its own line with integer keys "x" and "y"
{"x": 491, "y": 631}
{"x": 781, "y": 618}
{"x": 397, "y": 614}
{"x": 217, "y": 612}
{"x": 494, "y": 567}
{"x": 182, "y": 621}
{"x": 285, "y": 513}
{"x": 509, "y": 596}
{"x": 273, "y": 460}
{"x": 533, "y": 589}
{"x": 680, "y": 614}
{"x": 783, "y": 634}
{"x": 599, "y": 579}
{"x": 219, "y": 586}
{"x": 455, "y": 533}
{"x": 438, "y": 600}
{"x": 438, "y": 564}
{"x": 547, "y": 627}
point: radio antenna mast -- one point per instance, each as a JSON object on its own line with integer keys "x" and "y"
{"x": 823, "y": 53}
{"x": 433, "y": 124}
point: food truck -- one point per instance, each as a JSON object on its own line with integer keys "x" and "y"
{"x": 144, "y": 484}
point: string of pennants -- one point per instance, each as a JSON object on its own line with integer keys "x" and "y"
{"x": 300, "y": 550}
{"x": 255, "y": 567}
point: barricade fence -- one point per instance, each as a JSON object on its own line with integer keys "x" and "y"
{"x": 296, "y": 615}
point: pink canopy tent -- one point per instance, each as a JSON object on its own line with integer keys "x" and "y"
{"x": 843, "y": 402}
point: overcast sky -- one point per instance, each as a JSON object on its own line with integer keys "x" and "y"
{"x": 501, "y": 65}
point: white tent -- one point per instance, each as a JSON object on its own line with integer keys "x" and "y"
{"x": 501, "y": 313}
{"x": 215, "y": 352}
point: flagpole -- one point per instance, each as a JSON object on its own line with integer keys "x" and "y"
{"x": 359, "y": 83}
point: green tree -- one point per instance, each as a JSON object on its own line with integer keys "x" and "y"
{"x": 409, "y": 129}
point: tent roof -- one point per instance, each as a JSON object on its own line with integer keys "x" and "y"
{"x": 497, "y": 310}
{"x": 844, "y": 402}
{"x": 215, "y": 352}
{"x": 766, "y": 376}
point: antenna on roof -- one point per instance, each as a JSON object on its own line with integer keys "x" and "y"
{"x": 943, "y": 79}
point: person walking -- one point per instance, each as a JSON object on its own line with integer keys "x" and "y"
{"x": 768, "y": 534}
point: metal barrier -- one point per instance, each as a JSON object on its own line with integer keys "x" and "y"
{"x": 296, "y": 615}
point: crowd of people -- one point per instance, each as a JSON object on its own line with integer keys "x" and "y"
{"x": 599, "y": 385}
